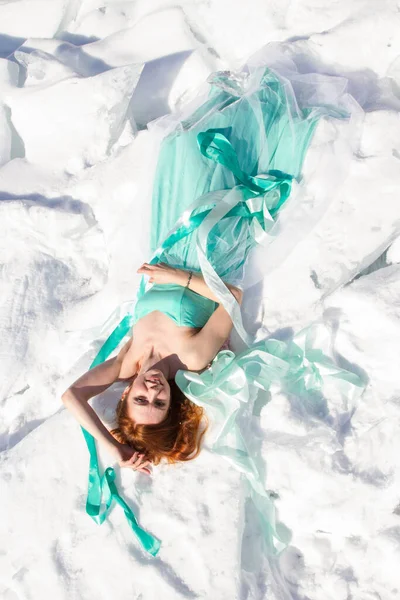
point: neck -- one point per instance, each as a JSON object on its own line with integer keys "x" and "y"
{"x": 152, "y": 358}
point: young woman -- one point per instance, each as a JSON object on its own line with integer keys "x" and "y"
{"x": 174, "y": 331}
{"x": 225, "y": 167}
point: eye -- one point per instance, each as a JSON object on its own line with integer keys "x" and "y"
{"x": 140, "y": 400}
{"x": 160, "y": 404}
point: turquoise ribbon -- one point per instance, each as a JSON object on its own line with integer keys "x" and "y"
{"x": 215, "y": 145}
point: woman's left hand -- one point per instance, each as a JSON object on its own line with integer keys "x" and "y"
{"x": 161, "y": 273}
{"x": 131, "y": 459}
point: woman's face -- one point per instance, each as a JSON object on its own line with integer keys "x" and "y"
{"x": 149, "y": 398}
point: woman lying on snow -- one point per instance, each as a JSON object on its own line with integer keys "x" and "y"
{"x": 222, "y": 175}
{"x": 154, "y": 418}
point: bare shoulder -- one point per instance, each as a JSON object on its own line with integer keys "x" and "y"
{"x": 127, "y": 364}
{"x": 195, "y": 358}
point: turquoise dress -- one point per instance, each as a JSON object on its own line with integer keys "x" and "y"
{"x": 182, "y": 305}
{"x": 223, "y": 173}
{"x": 226, "y": 167}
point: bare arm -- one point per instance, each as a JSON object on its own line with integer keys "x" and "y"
{"x": 162, "y": 273}
{"x": 198, "y": 285}
{"x": 90, "y": 384}
{"x": 207, "y": 342}
{"x": 88, "y": 419}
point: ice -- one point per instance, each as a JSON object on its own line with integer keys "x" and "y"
{"x": 83, "y": 117}
{"x": 79, "y": 83}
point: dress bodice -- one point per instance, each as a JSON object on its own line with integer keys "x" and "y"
{"x": 182, "y": 305}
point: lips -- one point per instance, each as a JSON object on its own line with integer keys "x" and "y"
{"x": 153, "y": 373}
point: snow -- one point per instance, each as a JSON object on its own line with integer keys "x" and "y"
{"x": 79, "y": 82}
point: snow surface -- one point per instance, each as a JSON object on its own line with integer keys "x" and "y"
{"x": 79, "y": 81}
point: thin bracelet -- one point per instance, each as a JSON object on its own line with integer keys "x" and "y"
{"x": 190, "y": 277}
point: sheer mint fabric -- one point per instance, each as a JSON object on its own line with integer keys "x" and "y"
{"x": 264, "y": 134}
{"x": 226, "y": 167}
{"x": 269, "y": 111}
{"x": 231, "y": 384}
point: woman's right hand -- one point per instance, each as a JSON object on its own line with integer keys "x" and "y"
{"x": 161, "y": 273}
{"x": 130, "y": 458}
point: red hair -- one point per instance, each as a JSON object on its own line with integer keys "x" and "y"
{"x": 176, "y": 438}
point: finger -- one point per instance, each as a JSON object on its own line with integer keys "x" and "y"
{"x": 144, "y": 470}
{"x": 125, "y": 463}
{"x": 129, "y": 465}
{"x": 138, "y": 462}
{"x": 144, "y": 464}
{"x": 128, "y": 461}
{"x": 133, "y": 457}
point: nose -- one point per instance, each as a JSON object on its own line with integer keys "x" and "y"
{"x": 153, "y": 388}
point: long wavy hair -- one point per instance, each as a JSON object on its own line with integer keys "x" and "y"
{"x": 177, "y": 438}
